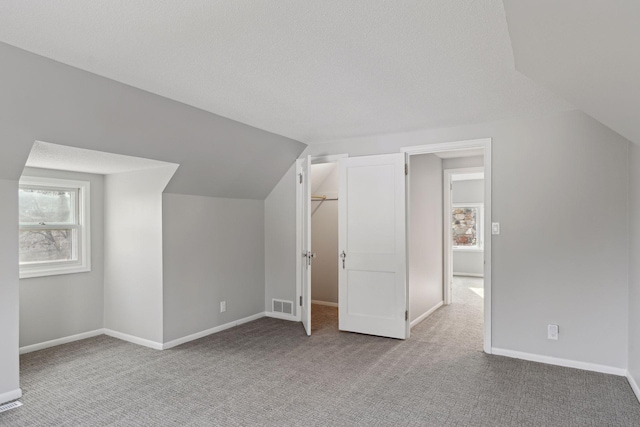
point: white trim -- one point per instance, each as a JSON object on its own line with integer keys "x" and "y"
{"x": 474, "y": 176}
{"x": 132, "y": 339}
{"x": 484, "y": 143}
{"x": 59, "y": 341}
{"x": 550, "y": 360}
{"x": 210, "y": 331}
{"x": 10, "y": 395}
{"x": 634, "y": 385}
{"x": 448, "y": 238}
{"x": 327, "y": 303}
{"x": 427, "y": 314}
{"x": 446, "y": 146}
{"x": 468, "y": 274}
{"x": 296, "y": 303}
{"x": 83, "y": 228}
{"x": 282, "y": 316}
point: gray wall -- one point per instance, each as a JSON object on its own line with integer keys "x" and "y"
{"x": 213, "y": 251}
{"x": 469, "y": 191}
{"x": 425, "y": 241}
{"x": 9, "y": 381}
{"x": 463, "y": 162}
{"x": 54, "y": 307}
{"x": 324, "y": 240}
{"x": 49, "y": 101}
{"x": 280, "y": 241}
{"x": 543, "y": 169}
{"x": 634, "y": 262}
{"x": 133, "y": 252}
{"x": 465, "y": 261}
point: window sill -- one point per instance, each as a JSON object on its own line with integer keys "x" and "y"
{"x": 468, "y": 249}
{"x": 43, "y": 271}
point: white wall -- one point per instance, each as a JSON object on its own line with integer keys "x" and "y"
{"x": 213, "y": 252}
{"x": 634, "y": 263}
{"x": 9, "y": 369}
{"x": 324, "y": 235}
{"x": 280, "y": 241}
{"x": 133, "y": 252}
{"x": 53, "y": 307}
{"x": 425, "y": 241}
{"x": 554, "y": 174}
{"x": 466, "y": 262}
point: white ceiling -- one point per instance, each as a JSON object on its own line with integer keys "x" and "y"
{"x": 312, "y": 71}
{"x": 53, "y": 156}
{"x": 586, "y": 52}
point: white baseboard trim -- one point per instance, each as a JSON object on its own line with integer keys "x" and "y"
{"x": 10, "y": 395}
{"x": 634, "y": 385}
{"x": 282, "y": 316}
{"x": 59, "y": 341}
{"x": 468, "y": 274}
{"x": 210, "y": 331}
{"x": 550, "y": 360}
{"x": 327, "y": 303}
{"x": 427, "y": 314}
{"x": 132, "y": 339}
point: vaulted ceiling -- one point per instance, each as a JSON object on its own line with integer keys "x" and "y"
{"x": 311, "y": 71}
{"x": 585, "y": 51}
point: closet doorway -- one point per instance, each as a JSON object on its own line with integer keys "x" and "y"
{"x": 324, "y": 246}
{"x": 317, "y": 219}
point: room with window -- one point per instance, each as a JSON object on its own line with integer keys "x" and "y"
{"x": 332, "y": 213}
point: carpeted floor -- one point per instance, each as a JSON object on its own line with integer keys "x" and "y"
{"x": 268, "y": 372}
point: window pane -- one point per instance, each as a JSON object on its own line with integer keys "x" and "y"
{"x": 46, "y": 245}
{"x": 464, "y": 226}
{"x": 47, "y": 206}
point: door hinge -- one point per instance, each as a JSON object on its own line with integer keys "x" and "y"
{"x": 406, "y": 169}
{"x": 406, "y": 315}
{"x": 300, "y": 300}
{"x": 300, "y": 178}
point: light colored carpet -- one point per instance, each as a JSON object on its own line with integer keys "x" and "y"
{"x": 268, "y": 372}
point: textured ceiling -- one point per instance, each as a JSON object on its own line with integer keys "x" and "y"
{"x": 312, "y": 71}
{"x": 585, "y": 51}
{"x": 53, "y": 156}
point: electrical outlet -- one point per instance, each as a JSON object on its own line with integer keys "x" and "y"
{"x": 552, "y": 332}
{"x": 223, "y": 306}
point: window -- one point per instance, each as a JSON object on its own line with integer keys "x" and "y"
{"x": 466, "y": 226}
{"x": 54, "y": 227}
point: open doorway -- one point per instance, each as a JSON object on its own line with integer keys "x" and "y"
{"x": 464, "y": 228}
{"x": 324, "y": 247}
{"x": 449, "y": 212}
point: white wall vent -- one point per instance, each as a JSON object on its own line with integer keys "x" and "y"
{"x": 10, "y": 405}
{"x": 282, "y": 306}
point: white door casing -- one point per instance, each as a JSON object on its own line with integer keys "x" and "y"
{"x": 372, "y": 243}
{"x": 307, "y": 256}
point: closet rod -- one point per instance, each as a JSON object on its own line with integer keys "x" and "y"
{"x": 323, "y": 197}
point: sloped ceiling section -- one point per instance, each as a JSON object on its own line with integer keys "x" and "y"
{"x": 43, "y": 100}
{"x": 310, "y": 70}
{"x": 586, "y": 52}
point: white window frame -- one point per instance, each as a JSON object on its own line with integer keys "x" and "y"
{"x": 479, "y": 227}
{"x": 83, "y": 229}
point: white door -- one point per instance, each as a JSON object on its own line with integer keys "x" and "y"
{"x": 307, "y": 256}
{"x": 372, "y": 273}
